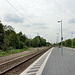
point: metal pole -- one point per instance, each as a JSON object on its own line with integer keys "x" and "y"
{"x": 72, "y": 44}
{"x": 37, "y": 41}
{"x": 61, "y": 39}
{"x": 72, "y": 41}
{"x": 57, "y": 40}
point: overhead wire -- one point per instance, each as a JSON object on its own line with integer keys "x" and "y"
{"x": 18, "y": 11}
{"x": 22, "y": 8}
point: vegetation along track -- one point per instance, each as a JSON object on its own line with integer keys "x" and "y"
{"x": 16, "y": 66}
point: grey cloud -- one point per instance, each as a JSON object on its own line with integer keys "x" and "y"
{"x": 27, "y": 25}
{"x": 43, "y": 27}
{"x": 13, "y": 18}
{"x": 70, "y": 5}
{"x": 72, "y": 20}
{"x": 65, "y": 29}
{"x": 39, "y": 24}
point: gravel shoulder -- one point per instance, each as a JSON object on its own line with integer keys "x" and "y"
{"x": 13, "y": 56}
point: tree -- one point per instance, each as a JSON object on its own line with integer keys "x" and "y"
{"x": 63, "y": 43}
{"x": 36, "y": 42}
{"x": 14, "y": 41}
{"x": 28, "y": 42}
{"x": 6, "y": 43}
{"x": 8, "y": 30}
{"x": 74, "y": 42}
{"x": 68, "y": 43}
{"x": 22, "y": 37}
{"x": 43, "y": 41}
{"x": 10, "y": 39}
{"x": 1, "y": 36}
{"x": 48, "y": 44}
{"x": 21, "y": 45}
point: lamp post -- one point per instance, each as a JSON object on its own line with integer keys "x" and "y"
{"x": 58, "y": 39}
{"x": 37, "y": 40}
{"x": 72, "y": 41}
{"x": 61, "y": 38}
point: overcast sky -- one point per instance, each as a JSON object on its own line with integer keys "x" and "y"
{"x": 39, "y": 16}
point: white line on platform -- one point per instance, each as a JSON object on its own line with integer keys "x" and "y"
{"x": 25, "y": 72}
{"x": 44, "y": 63}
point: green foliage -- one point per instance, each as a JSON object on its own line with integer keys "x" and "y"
{"x": 38, "y": 41}
{"x": 21, "y": 45}
{"x": 6, "y": 43}
{"x": 8, "y": 31}
{"x": 1, "y": 36}
{"x": 22, "y": 37}
{"x": 14, "y": 41}
{"x": 48, "y": 44}
{"x": 12, "y": 51}
{"x": 63, "y": 43}
{"x": 9, "y": 39}
{"x": 74, "y": 42}
{"x": 43, "y": 41}
{"x": 3, "y": 53}
{"x": 28, "y": 42}
{"x": 68, "y": 43}
{"x": 25, "y": 47}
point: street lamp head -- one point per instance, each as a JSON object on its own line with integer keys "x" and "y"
{"x": 59, "y": 21}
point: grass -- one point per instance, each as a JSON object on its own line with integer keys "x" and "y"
{"x": 12, "y": 51}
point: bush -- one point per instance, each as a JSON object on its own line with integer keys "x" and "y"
{"x": 5, "y": 48}
{"x": 21, "y": 45}
{"x": 25, "y": 47}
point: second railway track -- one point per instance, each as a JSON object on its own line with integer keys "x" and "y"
{"x": 16, "y": 66}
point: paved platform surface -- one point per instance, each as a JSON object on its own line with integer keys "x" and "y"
{"x": 37, "y": 67}
{"x": 60, "y": 65}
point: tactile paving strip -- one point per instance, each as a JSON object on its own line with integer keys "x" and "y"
{"x": 35, "y": 68}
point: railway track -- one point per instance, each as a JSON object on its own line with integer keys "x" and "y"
{"x": 16, "y": 66}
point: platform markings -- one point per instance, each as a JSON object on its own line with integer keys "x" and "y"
{"x": 40, "y": 63}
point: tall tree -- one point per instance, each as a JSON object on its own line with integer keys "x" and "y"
{"x": 69, "y": 43}
{"x": 43, "y": 41}
{"x": 22, "y": 37}
{"x": 1, "y": 36}
{"x": 35, "y": 42}
{"x": 14, "y": 41}
{"x": 8, "y": 30}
